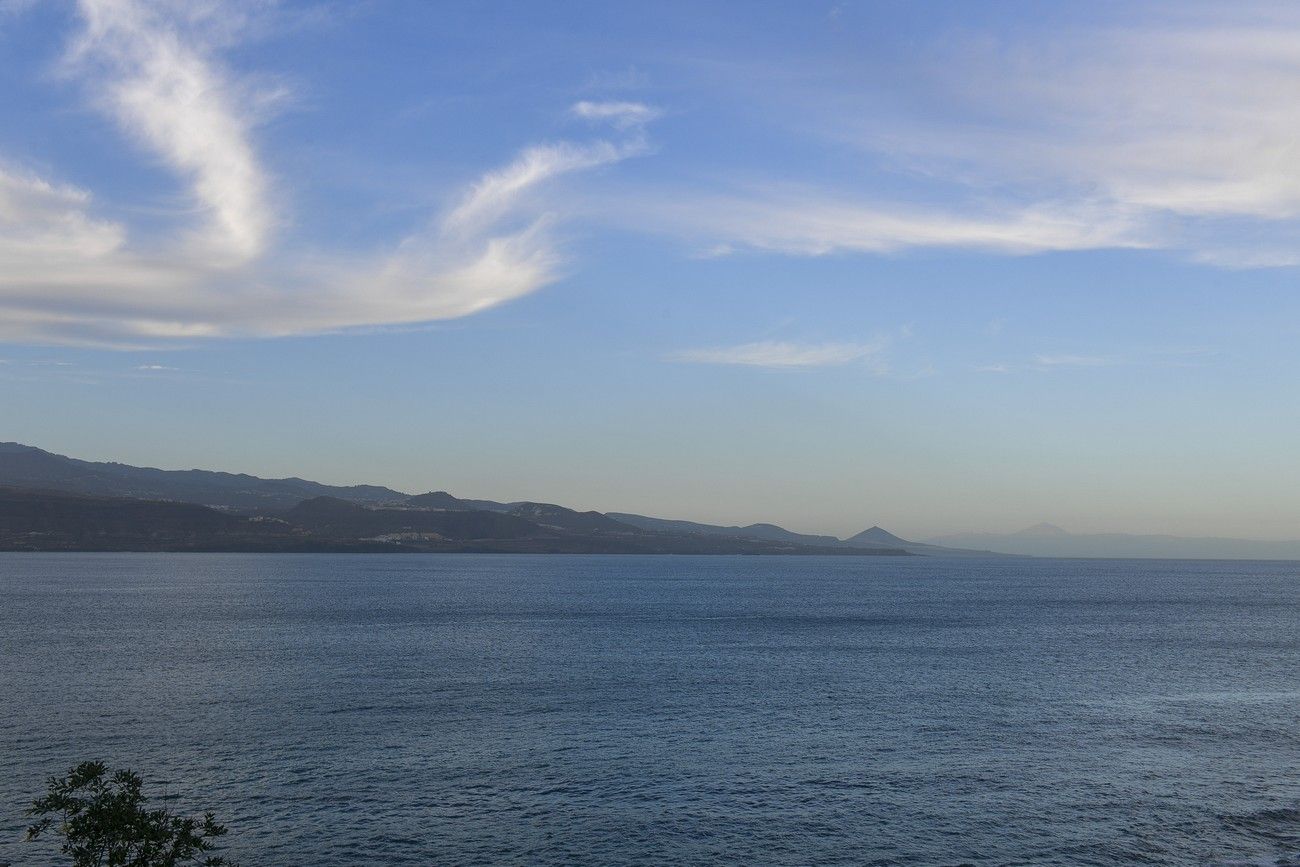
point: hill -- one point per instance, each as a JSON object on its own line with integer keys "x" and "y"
{"x": 330, "y": 516}
{"x": 876, "y": 536}
{"x": 53, "y": 521}
{"x": 32, "y": 468}
{"x": 312, "y": 513}
{"x": 768, "y": 532}
{"x": 445, "y": 501}
{"x": 57, "y": 521}
{"x": 558, "y": 517}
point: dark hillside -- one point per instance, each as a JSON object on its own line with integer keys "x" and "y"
{"x": 51, "y": 520}
{"x": 27, "y": 467}
{"x": 340, "y": 519}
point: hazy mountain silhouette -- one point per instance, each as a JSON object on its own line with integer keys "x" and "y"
{"x": 876, "y": 536}
{"x": 1048, "y": 540}
{"x": 873, "y": 539}
{"x": 1042, "y": 531}
{"x": 770, "y": 532}
{"x": 54, "y": 502}
{"x": 331, "y": 517}
{"x": 57, "y": 521}
{"x": 358, "y": 514}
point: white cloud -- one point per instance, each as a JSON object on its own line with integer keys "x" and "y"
{"x": 1197, "y": 121}
{"x": 815, "y": 224}
{"x": 623, "y": 115}
{"x": 1186, "y": 131}
{"x": 1176, "y": 132}
{"x": 784, "y": 354}
{"x": 181, "y": 106}
{"x": 45, "y": 224}
{"x": 84, "y": 286}
{"x": 1163, "y": 357}
{"x": 70, "y": 276}
{"x": 499, "y": 191}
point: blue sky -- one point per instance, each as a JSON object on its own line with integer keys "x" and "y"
{"x": 938, "y": 266}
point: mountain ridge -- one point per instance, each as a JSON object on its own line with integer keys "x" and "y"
{"x": 388, "y": 512}
{"x": 32, "y": 467}
{"x": 60, "y": 521}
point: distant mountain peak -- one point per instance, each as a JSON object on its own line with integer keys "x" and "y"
{"x": 1043, "y": 530}
{"x": 876, "y": 536}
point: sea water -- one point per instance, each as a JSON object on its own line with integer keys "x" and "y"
{"x": 471, "y": 709}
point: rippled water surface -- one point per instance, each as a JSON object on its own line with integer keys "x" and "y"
{"x": 617, "y": 710}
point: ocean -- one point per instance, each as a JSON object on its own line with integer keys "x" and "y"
{"x": 606, "y": 710}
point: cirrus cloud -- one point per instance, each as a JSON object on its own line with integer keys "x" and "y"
{"x": 69, "y": 275}
{"x": 778, "y": 353}
{"x": 623, "y": 115}
{"x": 1175, "y": 131}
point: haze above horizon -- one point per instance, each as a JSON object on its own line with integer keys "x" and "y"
{"x": 935, "y": 266}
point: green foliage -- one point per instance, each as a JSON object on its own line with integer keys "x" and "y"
{"x": 104, "y": 823}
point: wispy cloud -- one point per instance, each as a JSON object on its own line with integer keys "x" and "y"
{"x": 1176, "y": 134}
{"x": 783, "y": 354}
{"x": 499, "y": 191}
{"x": 69, "y": 275}
{"x": 1131, "y": 357}
{"x": 623, "y": 115}
{"x": 1196, "y": 120}
{"x": 813, "y": 223}
{"x": 180, "y": 105}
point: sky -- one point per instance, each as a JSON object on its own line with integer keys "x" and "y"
{"x": 938, "y": 266}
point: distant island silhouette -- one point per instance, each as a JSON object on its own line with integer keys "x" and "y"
{"x": 51, "y": 502}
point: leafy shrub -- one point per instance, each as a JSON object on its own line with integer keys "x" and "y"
{"x": 104, "y": 823}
